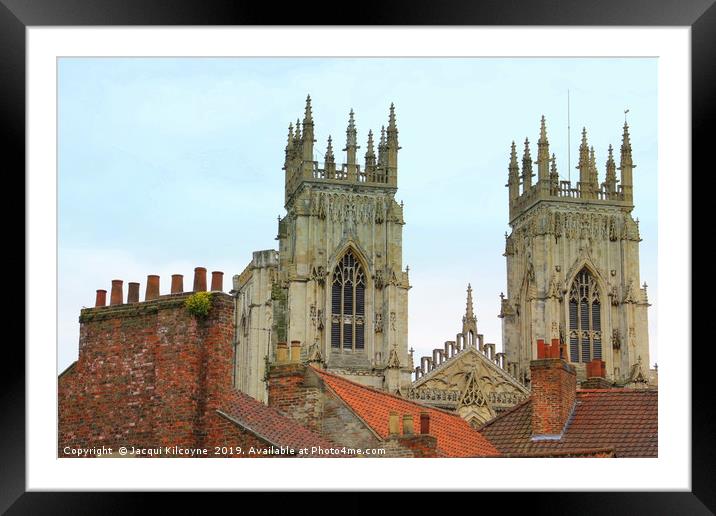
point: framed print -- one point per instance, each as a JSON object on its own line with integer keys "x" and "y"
{"x": 155, "y": 152}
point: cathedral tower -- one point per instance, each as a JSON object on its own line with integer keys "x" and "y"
{"x": 573, "y": 265}
{"x": 338, "y": 290}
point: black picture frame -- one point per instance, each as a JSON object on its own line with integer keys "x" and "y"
{"x": 700, "y": 15}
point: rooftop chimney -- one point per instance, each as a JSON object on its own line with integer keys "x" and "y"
{"x": 133, "y": 292}
{"x": 177, "y": 283}
{"x": 101, "y": 299}
{"x": 554, "y": 386}
{"x": 117, "y": 294}
{"x": 152, "y": 287}
{"x": 596, "y": 376}
{"x": 217, "y": 281}
{"x": 200, "y": 279}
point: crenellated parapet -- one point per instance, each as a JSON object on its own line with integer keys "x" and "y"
{"x": 523, "y": 194}
{"x": 301, "y": 167}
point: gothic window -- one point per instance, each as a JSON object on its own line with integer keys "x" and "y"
{"x": 585, "y": 325}
{"x": 348, "y": 305}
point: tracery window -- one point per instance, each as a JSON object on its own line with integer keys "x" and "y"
{"x": 585, "y": 325}
{"x": 348, "y": 305}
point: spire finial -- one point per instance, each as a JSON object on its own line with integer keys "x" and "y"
{"x": 370, "y": 158}
{"x": 308, "y": 116}
{"x": 626, "y": 142}
{"x": 290, "y": 136}
{"x": 469, "y": 313}
{"x": 329, "y": 165}
{"x": 391, "y": 117}
{"x": 553, "y": 176}
{"x": 351, "y": 133}
{"x": 297, "y": 134}
{"x": 543, "y": 131}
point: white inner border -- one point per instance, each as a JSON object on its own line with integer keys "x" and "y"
{"x": 672, "y": 470}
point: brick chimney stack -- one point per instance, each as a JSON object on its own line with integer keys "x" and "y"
{"x": 554, "y": 392}
{"x": 596, "y": 376}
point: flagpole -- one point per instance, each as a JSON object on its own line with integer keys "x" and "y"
{"x": 569, "y": 145}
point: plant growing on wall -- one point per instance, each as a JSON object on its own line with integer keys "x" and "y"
{"x": 198, "y": 304}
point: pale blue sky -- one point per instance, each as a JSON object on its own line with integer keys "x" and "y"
{"x": 169, "y": 164}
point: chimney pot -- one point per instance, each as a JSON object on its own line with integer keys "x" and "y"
{"x": 133, "y": 292}
{"x": 152, "y": 291}
{"x": 281, "y": 352}
{"x": 424, "y": 422}
{"x": 541, "y": 349}
{"x": 408, "y": 428}
{"x": 555, "y": 349}
{"x": 177, "y": 283}
{"x": 596, "y": 369}
{"x": 217, "y": 281}
{"x": 101, "y": 299}
{"x": 200, "y": 279}
{"x": 393, "y": 424}
{"x": 295, "y": 351}
{"x": 117, "y": 294}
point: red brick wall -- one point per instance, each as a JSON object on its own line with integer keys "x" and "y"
{"x": 554, "y": 385}
{"x": 148, "y": 374}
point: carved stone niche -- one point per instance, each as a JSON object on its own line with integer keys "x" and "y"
{"x": 616, "y": 339}
{"x": 379, "y": 279}
{"x": 318, "y": 274}
{"x": 378, "y": 322}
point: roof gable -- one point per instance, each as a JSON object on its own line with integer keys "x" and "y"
{"x": 455, "y": 437}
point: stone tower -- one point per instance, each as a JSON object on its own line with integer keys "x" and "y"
{"x": 337, "y": 290}
{"x": 573, "y": 264}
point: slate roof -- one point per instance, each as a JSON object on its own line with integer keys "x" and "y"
{"x": 624, "y": 420}
{"x": 455, "y": 437}
{"x": 272, "y": 426}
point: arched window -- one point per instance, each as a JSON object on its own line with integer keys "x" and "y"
{"x": 348, "y": 305}
{"x": 585, "y": 324}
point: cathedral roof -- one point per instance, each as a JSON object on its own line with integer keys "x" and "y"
{"x": 455, "y": 437}
{"x": 623, "y": 420}
{"x": 270, "y": 425}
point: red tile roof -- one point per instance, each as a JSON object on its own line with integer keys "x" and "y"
{"x": 455, "y": 437}
{"x": 624, "y": 420}
{"x": 272, "y": 426}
